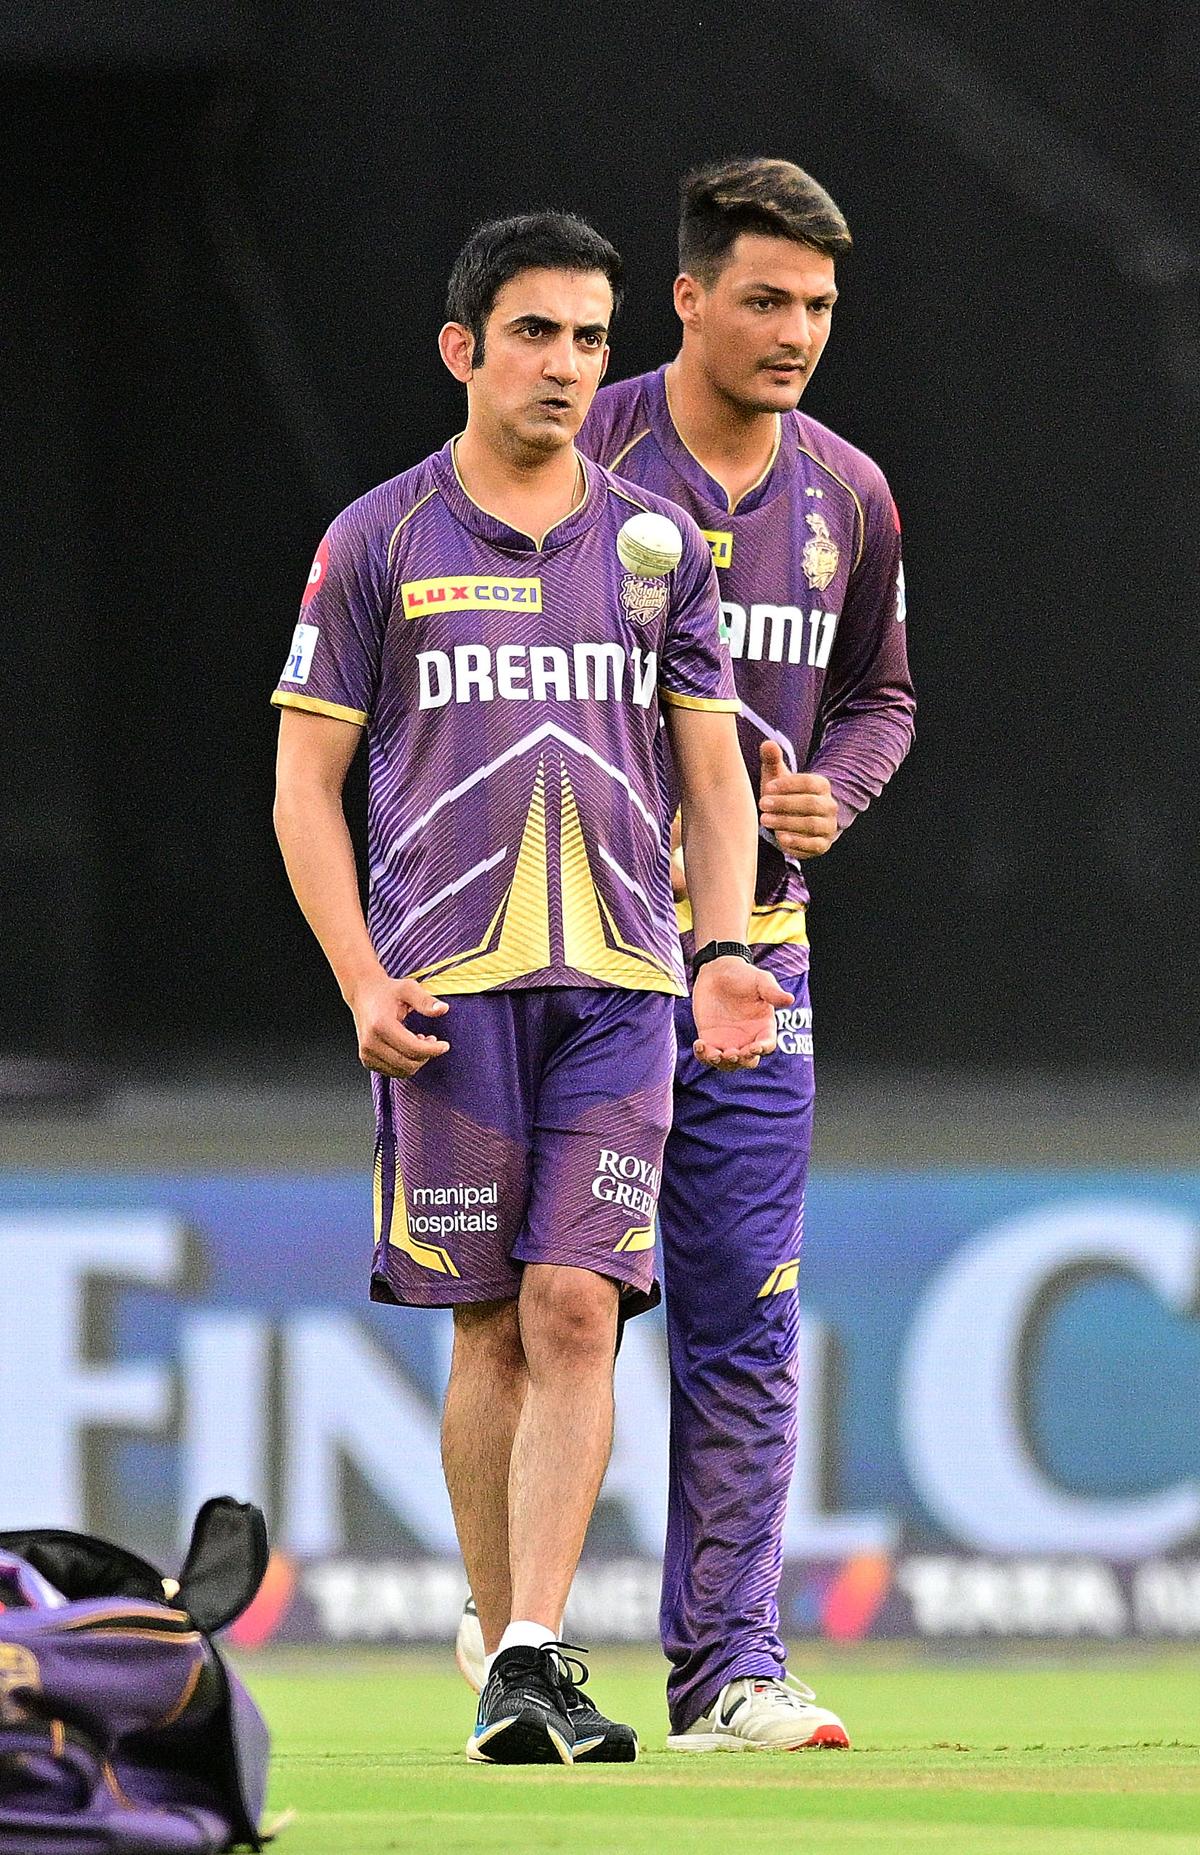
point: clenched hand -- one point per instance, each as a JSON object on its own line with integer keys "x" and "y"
{"x": 799, "y": 808}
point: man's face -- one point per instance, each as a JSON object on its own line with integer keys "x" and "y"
{"x": 545, "y": 351}
{"x": 760, "y": 327}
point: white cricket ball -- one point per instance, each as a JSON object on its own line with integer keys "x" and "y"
{"x": 649, "y": 545}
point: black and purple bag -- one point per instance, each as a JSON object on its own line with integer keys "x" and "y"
{"x": 122, "y": 1731}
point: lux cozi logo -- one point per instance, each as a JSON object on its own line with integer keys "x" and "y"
{"x": 420, "y": 598}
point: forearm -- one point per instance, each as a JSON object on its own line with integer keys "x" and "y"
{"x": 859, "y": 752}
{"x": 319, "y": 858}
{"x": 720, "y": 850}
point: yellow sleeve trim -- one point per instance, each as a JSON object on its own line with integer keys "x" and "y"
{"x": 722, "y": 704}
{"x": 284, "y": 699}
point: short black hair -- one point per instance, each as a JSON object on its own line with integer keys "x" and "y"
{"x": 501, "y": 249}
{"x": 754, "y": 194}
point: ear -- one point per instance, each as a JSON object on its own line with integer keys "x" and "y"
{"x": 604, "y": 361}
{"x": 456, "y": 345}
{"x": 689, "y": 299}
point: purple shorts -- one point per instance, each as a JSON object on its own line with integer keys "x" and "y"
{"x": 538, "y": 1137}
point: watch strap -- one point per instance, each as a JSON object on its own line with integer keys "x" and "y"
{"x": 720, "y": 950}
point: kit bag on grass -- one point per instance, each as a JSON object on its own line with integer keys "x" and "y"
{"x": 122, "y": 1731}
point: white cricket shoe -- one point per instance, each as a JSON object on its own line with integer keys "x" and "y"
{"x": 756, "y": 1714}
{"x": 469, "y": 1651}
{"x": 468, "y": 1647}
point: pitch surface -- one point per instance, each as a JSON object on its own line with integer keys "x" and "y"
{"x": 1031, "y": 1755}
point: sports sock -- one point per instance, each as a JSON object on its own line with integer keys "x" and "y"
{"x": 524, "y": 1635}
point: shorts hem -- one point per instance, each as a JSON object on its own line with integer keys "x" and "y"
{"x": 637, "y": 1296}
{"x": 462, "y": 1294}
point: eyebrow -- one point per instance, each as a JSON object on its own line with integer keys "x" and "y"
{"x": 774, "y": 289}
{"x": 581, "y": 328}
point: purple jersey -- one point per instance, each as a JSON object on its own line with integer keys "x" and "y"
{"x": 812, "y": 602}
{"x": 517, "y": 813}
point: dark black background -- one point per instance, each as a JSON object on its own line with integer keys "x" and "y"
{"x": 225, "y": 251}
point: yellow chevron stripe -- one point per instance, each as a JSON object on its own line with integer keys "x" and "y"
{"x": 781, "y": 1279}
{"x": 586, "y": 946}
{"x": 524, "y": 943}
{"x": 426, "y": 1255}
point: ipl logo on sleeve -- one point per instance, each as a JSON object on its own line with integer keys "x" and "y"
{"x": 299, "y": 661}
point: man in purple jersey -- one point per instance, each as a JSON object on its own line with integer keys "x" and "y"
{"x": 478, "y": 619}
{"x": 806, "y": 541}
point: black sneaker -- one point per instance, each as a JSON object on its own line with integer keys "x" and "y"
{"x": 522, "y": 1716}
{"x": 598, "y": 1740}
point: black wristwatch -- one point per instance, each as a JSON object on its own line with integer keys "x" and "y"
{"x": 720, "y": 950}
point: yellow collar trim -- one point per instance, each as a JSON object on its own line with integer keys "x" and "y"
{"x": 580, "y": 499}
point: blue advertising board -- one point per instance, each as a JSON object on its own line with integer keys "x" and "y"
{"x": 999, "y": 1401}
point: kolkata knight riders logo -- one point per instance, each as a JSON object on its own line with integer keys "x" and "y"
{"x": 820, "y": 557}
{"x": 643, "y": 599}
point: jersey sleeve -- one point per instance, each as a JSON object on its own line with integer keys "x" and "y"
{"x": 867, "y": 706}
{"x": 333, "y": 665}
{"x": 696, "y": 672}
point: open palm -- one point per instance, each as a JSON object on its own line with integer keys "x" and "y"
{"x": 734, "y": 1004}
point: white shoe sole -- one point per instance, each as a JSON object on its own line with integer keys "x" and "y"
{"x": 823, "y": 1739}
{"x": 477, "y": 1752}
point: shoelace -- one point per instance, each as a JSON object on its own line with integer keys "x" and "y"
{"x": 791, "y": 1690}
{"x": 568, "y": 1670}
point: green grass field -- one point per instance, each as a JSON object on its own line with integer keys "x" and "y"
{"x": 1066, "y": 1755}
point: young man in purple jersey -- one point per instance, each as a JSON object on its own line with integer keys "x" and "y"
{"x": 473, "y": 617}
{"x": 806, "y": 541}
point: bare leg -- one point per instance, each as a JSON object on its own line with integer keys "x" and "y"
{"x": 568, "y": 1329}
{"x": 483, "y": 1402}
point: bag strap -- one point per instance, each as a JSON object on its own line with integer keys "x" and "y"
{"x": 71, "y": 1751}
